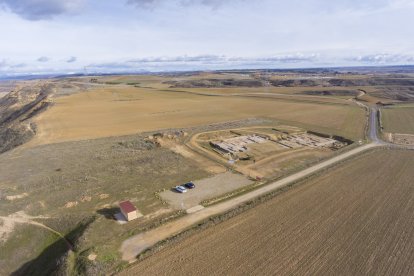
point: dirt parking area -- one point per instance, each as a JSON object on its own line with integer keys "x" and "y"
{"x": 205, "y": 189}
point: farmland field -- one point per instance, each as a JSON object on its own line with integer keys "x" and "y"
{"x": 356, "y": 219}
{"x": 399, "y": 119}
{"x": 114, "y": 111}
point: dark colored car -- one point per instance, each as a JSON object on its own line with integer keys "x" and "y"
{"x": 189, "y": 185}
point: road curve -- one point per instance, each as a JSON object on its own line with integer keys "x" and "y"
{"x": 135, "y": 245}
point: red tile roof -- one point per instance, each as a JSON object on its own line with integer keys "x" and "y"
{"x": 127, "y": 206}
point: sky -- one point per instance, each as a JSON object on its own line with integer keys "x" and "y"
{"x": 106, "y": 36}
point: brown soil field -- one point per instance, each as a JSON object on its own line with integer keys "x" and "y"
{"x": 399, "y": 119}
{"x": 356, "y": 219}
{"x": 122, "y": 110}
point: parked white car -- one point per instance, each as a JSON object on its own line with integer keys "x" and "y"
{"x": 180, "y": 189}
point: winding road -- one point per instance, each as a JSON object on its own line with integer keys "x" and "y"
{"x": 135, "y": 245}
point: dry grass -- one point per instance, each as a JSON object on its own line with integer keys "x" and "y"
{"x": 124, "y": 110}
{"x": 356, "y": 219}
{"x": 75, "y": 180}
{"x": 72, "y": 176}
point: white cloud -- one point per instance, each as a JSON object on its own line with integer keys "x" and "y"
{"x": 42, "y": 9}
{"x": 191, "y": 34}
{"x": 181, "y": 3}
{"x": 205, "y": 62}
{"x": 43, "y": 59}
{"x": 6, "y": 66}
{"x": 71, "y": 59}
{"x": 384, "y": 59}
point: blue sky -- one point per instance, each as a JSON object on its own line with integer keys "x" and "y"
{"x": 63, "y": 36}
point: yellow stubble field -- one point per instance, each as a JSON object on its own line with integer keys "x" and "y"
{"x": 123, "y": 110}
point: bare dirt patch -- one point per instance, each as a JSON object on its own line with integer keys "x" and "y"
{"x": 177, "y": 146}
{"x": 103, "y": 196}
{"x": 205, "y": 189}
{"x": 400, "y": 139}
{"x": 6, "y": 227}
{"x": 8, "y": 223}
{"x": 92, "y": 257}
{"x": 71, "y": 204}
{"x": 14, "y": 197}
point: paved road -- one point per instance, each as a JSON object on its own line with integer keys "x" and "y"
{"x": 373, "y": 126}
{"x": 373, "y": 131}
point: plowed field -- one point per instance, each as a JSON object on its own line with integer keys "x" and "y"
{"x": 357, "y": 219}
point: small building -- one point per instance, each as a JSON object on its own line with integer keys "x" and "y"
{"x": 128, "y": 210}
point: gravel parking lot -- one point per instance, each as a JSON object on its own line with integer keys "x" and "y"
{"x": 205, "y": 189}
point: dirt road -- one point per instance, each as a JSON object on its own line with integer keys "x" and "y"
{"x": 133, "y": 246}
{"x": 354, "y": 219}
{"x": 24, "y": 219}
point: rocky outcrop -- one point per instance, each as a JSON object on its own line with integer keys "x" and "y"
{"x": 17, "y": 109}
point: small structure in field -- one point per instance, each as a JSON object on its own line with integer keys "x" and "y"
{"x": 128, "y": 210}
{"x": 237, "y": 145}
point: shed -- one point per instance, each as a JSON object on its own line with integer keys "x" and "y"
{"x": 128, "y": 210}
